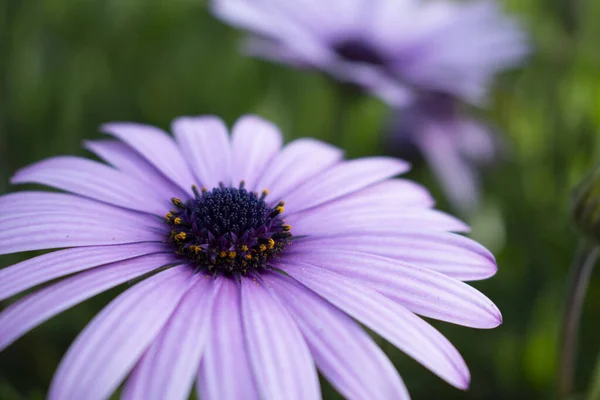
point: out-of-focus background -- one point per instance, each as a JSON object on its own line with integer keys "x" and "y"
{"x": 68, "y": 66}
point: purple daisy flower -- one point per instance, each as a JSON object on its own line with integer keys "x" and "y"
{"x": 396, "y": 49}
{"x": 237, "y": 291}
{"x": 423, "y": 58}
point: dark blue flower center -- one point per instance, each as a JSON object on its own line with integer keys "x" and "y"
{"x": 228, "y": 230}
{"x": 357, "y": 50}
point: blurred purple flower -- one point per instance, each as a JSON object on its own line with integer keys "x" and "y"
{"x": 237, "y": 293}
{"x": 454, "y": 146}
{"x": 418, "y": 56}
{"x": 392, "y": 48}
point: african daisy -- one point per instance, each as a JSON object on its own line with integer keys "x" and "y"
{"x": 253, "y": 263}
{"x": 423, "y": 58}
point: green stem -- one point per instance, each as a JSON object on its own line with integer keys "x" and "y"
{"x": 581, "y": 270}
{"x": 594, "y": 393}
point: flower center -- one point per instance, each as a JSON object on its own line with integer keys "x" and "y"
{"x": 228, "y": 230}
{"x": 357, "y": 50}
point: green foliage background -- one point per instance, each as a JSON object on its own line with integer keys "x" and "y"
{"x": 68, "y": 66}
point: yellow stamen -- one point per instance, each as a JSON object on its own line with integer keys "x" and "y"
{"x": 286, "y": 227}
{"x": 279, "y": 209}
{"x": 180, "y": 236}
{"x": 232, "y": 254}
{"x": 248, "y": 256}
{"x": 243, "y": 248}
{"x": 262, "y": 247}
{"x": 271, "y": 243}
{"x": 177, "y": 202}
{"x": 169, "y": 215}
{"x": 223, "y": 254}
{"x": 177, "y": 221}
{"x": 195, "y": 248}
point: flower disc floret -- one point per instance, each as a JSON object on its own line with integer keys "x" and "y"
{"x": 228, "y": 230}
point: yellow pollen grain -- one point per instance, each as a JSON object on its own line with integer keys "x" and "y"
{"x": 262, "y": 247}
{"x": 223, "y": 254}
{"x": 243, "y": 248}
{"x": 177, "y": 221}
{"x": 248, "y": 256}
{"x": 271, "y": 243}
{"x": 232, "y": 254}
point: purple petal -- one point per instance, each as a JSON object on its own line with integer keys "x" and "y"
{"x": 462, "y": 45}
{"x": 30, "y": 204}
{"x": 19, "y": 215}
{"x": 225, "y": 371}
{"x": 389, "y": 195}
{"x": 32, "y": 310}
{"x": 157, "y": 147}
{"x": 290, "y": 168}
{"x": 457, "y": 177}
{"x": 204, "y": 141}
{"x": 343, "y": 351}
{"x": 420, "y": 290}
{"x": 44, "y": 268}
{"x": 169, "y": 366}
{"x": 273, "y": 51}
{"x": 454, "y": 255}
{"x": 278, "y": 353}
{"x": 102, "y": 355}
{"x": 327, "y": 220}
{"x": 94, "y": 180}
{"x": 393, "y": 322}
{"x": 341, "y": 180}
{"x": 476, "y": 141}
{"x": 277, "y": 21}
{"x": 125, "y": 159}
{"x": 255, "y": 142}
{"x": 59, "y": 231}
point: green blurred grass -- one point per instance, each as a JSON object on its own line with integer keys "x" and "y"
{"x": 67, "y": 67}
